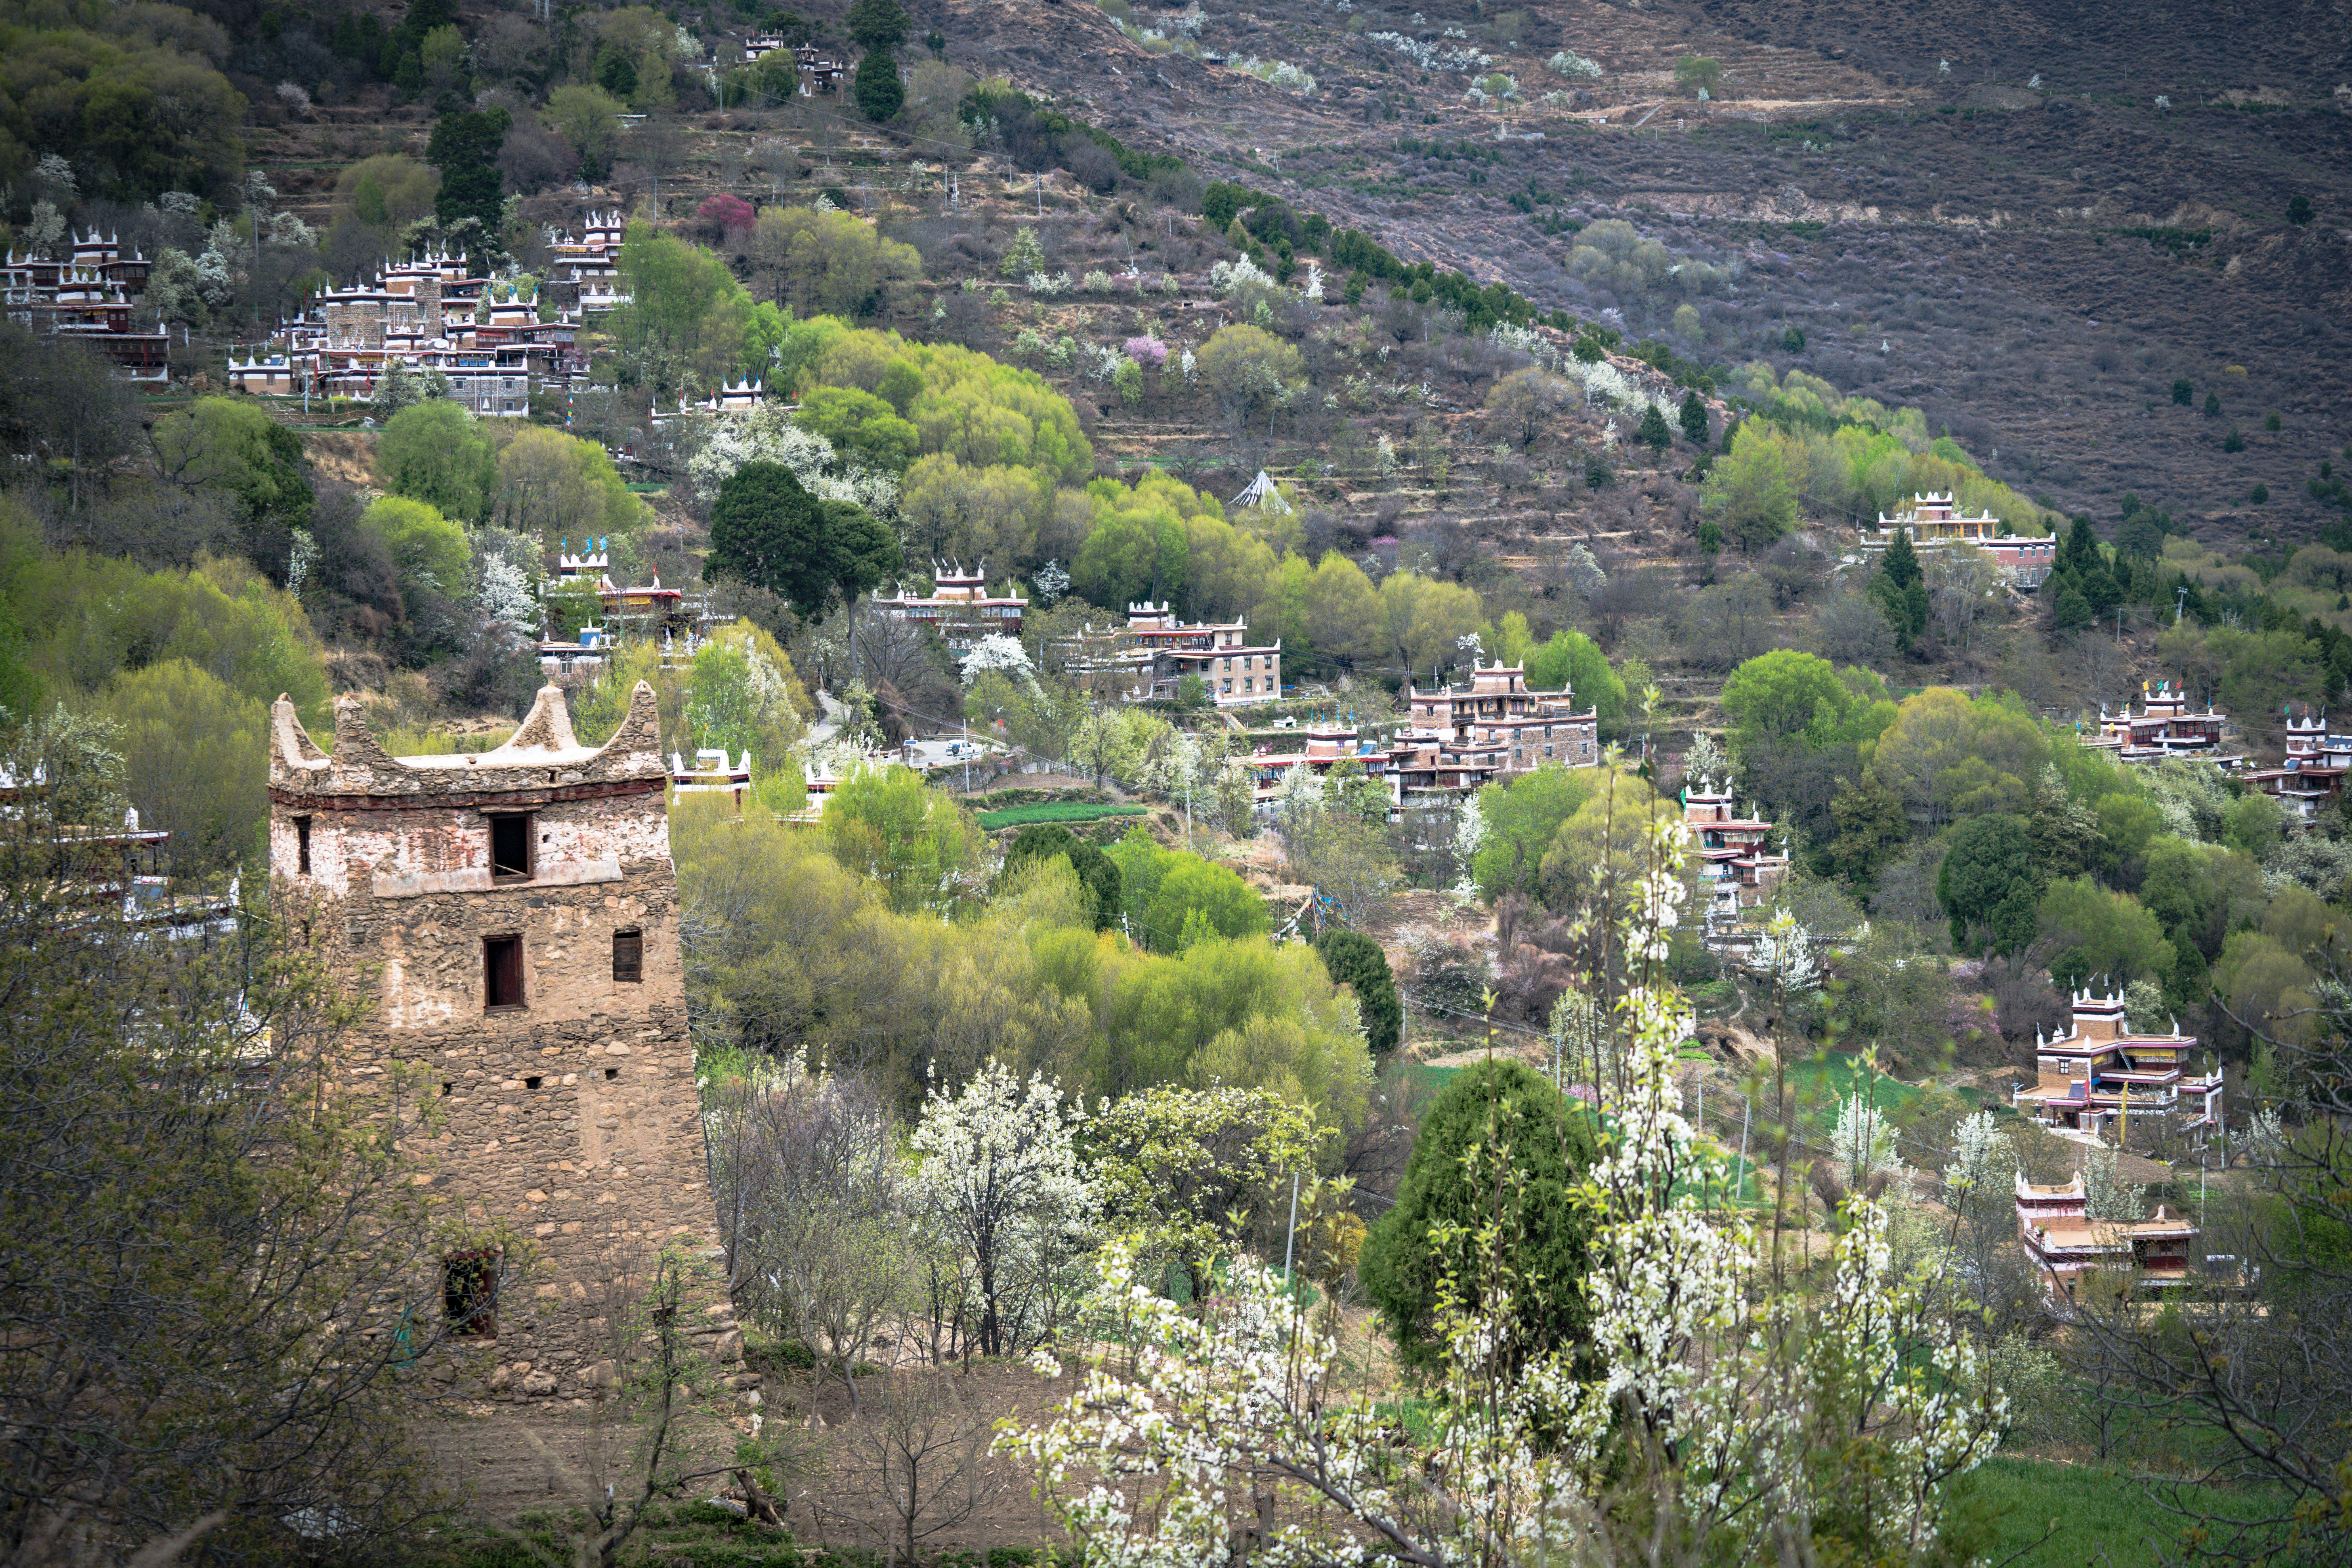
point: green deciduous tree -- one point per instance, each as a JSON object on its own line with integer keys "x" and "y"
{"x": 1248, "y": 369}
{"x": 1753, "y": 491}
{"x": 1523, "y": 815}
{"x": 235, "y": 451}
{"x": 1696, "y": 74}
{"x": 1498, "y": 1147}
{"x": 552, "y": 487}
{"x": 860, "y": 426}
{"x": 918, "y": 843}
{"x": 195, "y": 754}
{"x": 2101, "y": 932}
{"x": 589, "y": 118}
{"x": 1096, "y": 872}
{"x": 833, "y": 263}
{"x": 1190, "y": 1171}
{"x": 1784, "y": 696}
{"x": 1572, "y": 659}
{"x": 439, "y": 453}
{"x": 973, "y": 515}
{"x": 1947, "y": 756}
{"x": 428, "y": 548}
{"x": 1524, "y": 403}
{"x": 687, "y": 321}
{"x": 1175, "y": 900}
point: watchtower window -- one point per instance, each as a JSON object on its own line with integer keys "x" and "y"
{"x": 628, "y": 956}
{"x": 503, "y": 972}
{"x": 302, "y": 846}
{"x": 469, "y": 1293}
{"x": 510, "y": 846}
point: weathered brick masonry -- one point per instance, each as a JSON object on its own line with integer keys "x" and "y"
{"x": 510, "y": 918}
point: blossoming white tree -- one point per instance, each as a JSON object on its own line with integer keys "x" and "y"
{"x": 1863, "y": 1143}
{"x": 999, "y": 654}
{"x": 1784, "y": 954}
{"x": 767, "y": 434}
{"x": 1715, "y": 1415}
{"x": 1000, "y": 1180}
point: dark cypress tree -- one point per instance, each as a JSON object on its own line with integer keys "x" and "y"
{"x": 880, "y": 94}
{"x": 1901, "y": 566}
{"x": 1353, "y": 959}
{"x": 1509, "y": 1111}
{"x": 1694, "y": 418}
{"x": 1653, "y": 433}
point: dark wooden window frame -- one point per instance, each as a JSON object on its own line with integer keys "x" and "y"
{"x": 629, "y": 956}
{"x": 502, "y": 986}
{"x": 510, "y": 831}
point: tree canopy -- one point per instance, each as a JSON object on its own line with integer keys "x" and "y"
{"x": 767, "y": 531}
{"x": 1491, "y": 1113}
{"x": 1356, "y": 961}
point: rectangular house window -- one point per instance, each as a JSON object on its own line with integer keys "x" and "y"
{"x": 628, "y": 956}
{"x": 503, "y": 972}
{"x": 302, "y": 846}
{"x": 469, "y": 1293}
{"x": 510, "y": 847}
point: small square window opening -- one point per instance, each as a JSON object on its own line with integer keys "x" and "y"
{"x": 509, "y": 847}
{"x": 612, "y": 1073}
{"x": 533, "y": 1082}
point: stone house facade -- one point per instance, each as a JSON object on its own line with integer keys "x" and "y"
{"x": 509, "y": 921}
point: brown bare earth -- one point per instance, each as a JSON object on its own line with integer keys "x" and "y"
{"x": 2032, "y": 268}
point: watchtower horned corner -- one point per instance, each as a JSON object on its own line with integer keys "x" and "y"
{"x": 509, "y": 920}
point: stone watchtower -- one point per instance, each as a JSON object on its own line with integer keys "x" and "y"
{"x": 509, "y": 919}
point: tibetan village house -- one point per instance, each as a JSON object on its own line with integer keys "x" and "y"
{"x": 88, "y": 296}
{"x": 2100, "y": 1075}
{"x": 959, "y": 606}
{"x": 2060, "y": 1238}
{"x": 2164, "y": 726}
{"x": 2311, "y": 778}
{"x": 1934, "y": 521}
{"x": 1738, "y": 870}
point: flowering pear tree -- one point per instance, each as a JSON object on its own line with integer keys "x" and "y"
{"x": 1715, "y": 1414}
{"x": 1000, "y": 1180}
{"x": 1863, "y": 1143}
{"x": 1000, "y": 655}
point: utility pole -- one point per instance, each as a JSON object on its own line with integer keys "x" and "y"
{"x": 1290, "y": 1240}
{"x": 2180, "y": 603}
{"x": 1740, "y": 1174}
{"x": 1041, "y": 193}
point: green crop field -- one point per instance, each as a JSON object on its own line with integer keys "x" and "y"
{"x": 1052, "y": 811}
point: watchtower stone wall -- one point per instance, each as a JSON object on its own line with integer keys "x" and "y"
{"x": 509, "y": 919}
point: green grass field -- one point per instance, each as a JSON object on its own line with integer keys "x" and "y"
{"x": 2101, "y": 1516}
{"x": 1052, "y": 811}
